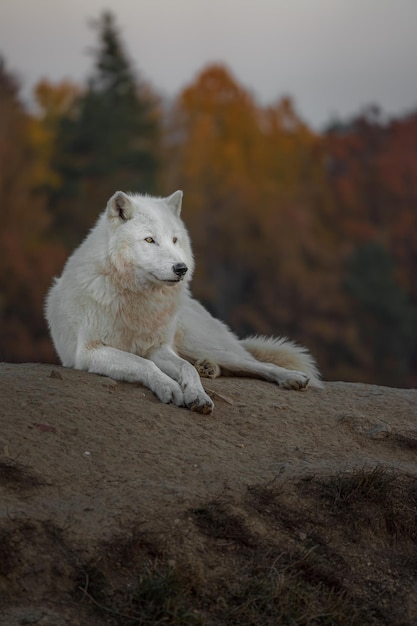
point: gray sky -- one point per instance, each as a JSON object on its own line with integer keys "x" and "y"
{"x": 332, "y": 56}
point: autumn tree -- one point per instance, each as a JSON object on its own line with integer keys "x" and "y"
{"x": 372, "y": 174}
{"x": 213, "y": 155}
{"x": 54, "y": 102}
{"x": 298, "y": 240}
{"x": 27, "y": 258}
{"x": 252, "y": 177}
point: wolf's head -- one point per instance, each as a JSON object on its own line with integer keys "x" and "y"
{"x": 148, "y": 239}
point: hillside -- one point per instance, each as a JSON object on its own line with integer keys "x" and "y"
{"x": 280, "y": 508}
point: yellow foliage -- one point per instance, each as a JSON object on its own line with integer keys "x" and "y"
{"x": 53, "y": 101}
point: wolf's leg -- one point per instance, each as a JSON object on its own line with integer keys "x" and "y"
{"x": 246, "y": 365}
{"x": 125, "y": 366}
{"x": 195, "y": 398}
{"x": 210, "y": 344}
{"x": 238, "y": 362}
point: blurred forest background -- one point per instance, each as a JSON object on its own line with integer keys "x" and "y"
{"x": 298, "y": 233}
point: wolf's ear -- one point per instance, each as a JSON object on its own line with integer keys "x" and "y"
{"x": 120, "y": 207}
{"x": 174, "y": 201}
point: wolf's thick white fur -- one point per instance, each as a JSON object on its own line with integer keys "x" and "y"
{"x": 122, "y": 308}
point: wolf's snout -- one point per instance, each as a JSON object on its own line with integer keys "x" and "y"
{"x": 180, "y": 269}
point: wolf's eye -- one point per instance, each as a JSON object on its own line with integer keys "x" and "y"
{"x": 150, "y": 239}
{"x": 175, "y": 239}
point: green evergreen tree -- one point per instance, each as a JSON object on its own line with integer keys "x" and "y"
{"x": 383, "y": 312}
{"x": 110, "y": 139}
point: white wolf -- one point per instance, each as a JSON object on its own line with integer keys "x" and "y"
{"x": 122, "y": 308}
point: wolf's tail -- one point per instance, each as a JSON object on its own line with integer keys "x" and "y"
{"x": 284, "y": 353}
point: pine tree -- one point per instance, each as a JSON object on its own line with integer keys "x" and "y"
{"x": 383, "y": 313}
{"x": 110, "y": 139}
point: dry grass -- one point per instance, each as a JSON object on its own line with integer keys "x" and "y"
{"x": 158, "y": 595}
{"x": 379, "y": 499}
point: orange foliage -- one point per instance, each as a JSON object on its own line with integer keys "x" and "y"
{"x": 253, "y": 178}
{"x": 27, "y": 258}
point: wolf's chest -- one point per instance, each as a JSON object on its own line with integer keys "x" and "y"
{"x": 142, "y": 324}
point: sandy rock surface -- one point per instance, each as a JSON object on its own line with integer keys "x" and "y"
{"x": 92, "y": 456}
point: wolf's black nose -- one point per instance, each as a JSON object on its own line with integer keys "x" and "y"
{"x": 180, "y": 269}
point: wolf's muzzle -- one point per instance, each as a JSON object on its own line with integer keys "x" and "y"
{"x": 180, "y": 269}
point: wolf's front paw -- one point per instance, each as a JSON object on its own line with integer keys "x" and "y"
{"x": 169, "y": 391}
{"x": 198, "y": 401}
{"x": 293, "y": 380}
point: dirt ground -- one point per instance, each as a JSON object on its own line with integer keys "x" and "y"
{"x": 105, "y": 492}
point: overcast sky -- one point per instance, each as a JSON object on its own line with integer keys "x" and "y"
{"x": 332, "y": 56}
